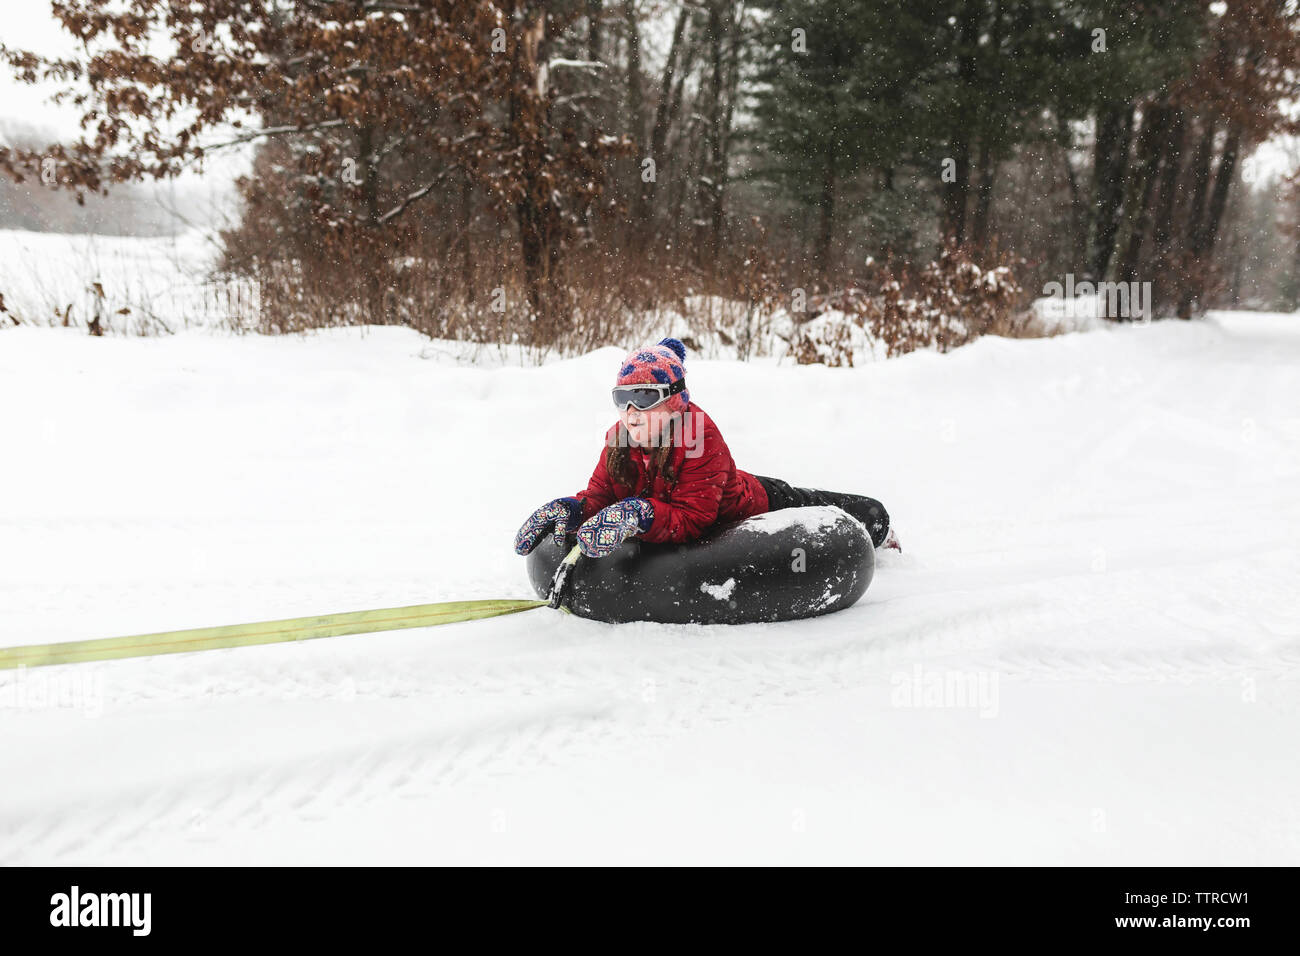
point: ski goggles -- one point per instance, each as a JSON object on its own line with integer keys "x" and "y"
{"x": 646, "y": 397}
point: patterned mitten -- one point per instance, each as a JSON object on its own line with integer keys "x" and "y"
{"x": 603, "y": 532}
{"x": 562, "y": 513}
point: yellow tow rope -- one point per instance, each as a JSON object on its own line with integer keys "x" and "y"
{"x": 263, "y": 632}
{"x": 278, "y": 632}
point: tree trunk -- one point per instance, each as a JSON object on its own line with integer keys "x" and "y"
{"x": 956, "y": 192}
{"x": 595, "y": 29}
{"x": 368, "y": 175}
{"x": 1200, "y": 175}
{"x": 1141, "y": 189}
{"x": 954, "y": 195}
{"x": 374, "y": 263}
{"x": 466, "y": 240}
{"x": 1078, "y": 208}
{"x": 986, "y": 162}
{"x": 826, "y": 225}
{"x": 1207, "y": 215}
{"x": 539, "y": 220}
{"x": 1201, "y": 161}
{"x": 665, "y": 113}
{"x": 736, "y": 26}
{"x": 987, "y": 169}
{"x": 635, "y": 94}
{"x": 1222, "y": 184}
{"x": 711, "y": 175}
{"x": 1109, "y": 169}
{"x": 685, "y": 143}
{"x": 1167, "y": 189}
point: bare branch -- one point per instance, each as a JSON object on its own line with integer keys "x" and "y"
{"x": 275, "y": 131}
{"x": 561, "y": 64}
{"x": 412, "y": 197}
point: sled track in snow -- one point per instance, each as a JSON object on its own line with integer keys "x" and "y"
{"x": 583, "y": 704}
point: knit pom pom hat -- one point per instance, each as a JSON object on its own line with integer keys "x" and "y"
{"x": 662, "y": 363}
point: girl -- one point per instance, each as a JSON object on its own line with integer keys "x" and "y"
{"x": 666, "y": 474}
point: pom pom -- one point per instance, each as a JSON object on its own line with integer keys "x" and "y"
{"x": 676, "y": 346}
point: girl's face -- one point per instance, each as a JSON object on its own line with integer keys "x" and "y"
{"x": 643, "y": 427}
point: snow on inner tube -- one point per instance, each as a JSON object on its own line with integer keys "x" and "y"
{"x": 778, "y": 566}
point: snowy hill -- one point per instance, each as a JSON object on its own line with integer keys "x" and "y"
{"x": 1089, "y": 651}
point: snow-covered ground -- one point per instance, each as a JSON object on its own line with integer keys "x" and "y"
{"x": 138, "y": 286}
{"x": 1089, "y": 651}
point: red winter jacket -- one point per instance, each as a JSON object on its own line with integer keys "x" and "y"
{"x": 710, "y": 489}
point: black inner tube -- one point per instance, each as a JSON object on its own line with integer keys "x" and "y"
{"x": 779, "y": 566}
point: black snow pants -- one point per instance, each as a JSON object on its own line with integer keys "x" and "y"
{"x": 869, "y": 511}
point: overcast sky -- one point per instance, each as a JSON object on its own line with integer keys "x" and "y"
{"x": 28, "y": 25}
